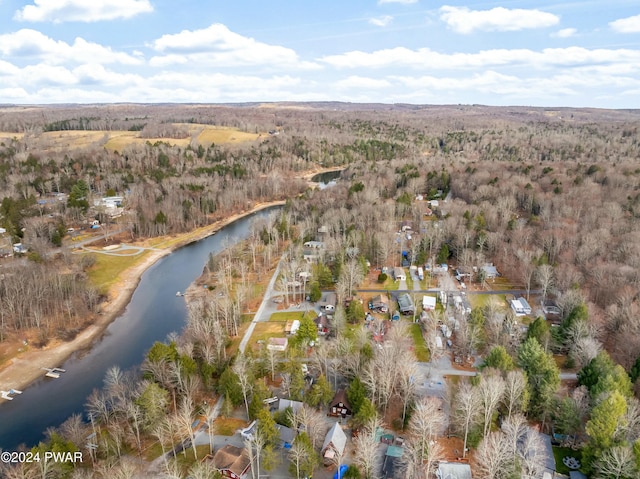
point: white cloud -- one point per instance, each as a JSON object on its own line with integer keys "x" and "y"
{"x": 626, "y": 25}
{"x": 217, "y": 45}
{"x": 28, "y": 43}
{"x": 382, "y": 21}
{"x": 565, "y": 33}
{"x": 58, "y": 11}
{"x": 463, "y": 20}
{"x": 361, "y": 83}
{"x": 427, "y": 59}
{"x": 405, "y": 2}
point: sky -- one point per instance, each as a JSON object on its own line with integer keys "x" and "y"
{"x": 575, "y": 53}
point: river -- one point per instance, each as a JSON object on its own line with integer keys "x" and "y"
{"x": 153, "y": 312}
{"x": 326, "y": 179}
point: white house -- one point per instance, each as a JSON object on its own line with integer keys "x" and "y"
{"x": 428, "y": 303}
{"x": 520, "y": 307}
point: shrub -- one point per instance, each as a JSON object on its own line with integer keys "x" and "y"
{"x": 382, "y": 277}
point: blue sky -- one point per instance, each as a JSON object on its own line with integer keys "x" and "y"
{"x": 510, "y": 52}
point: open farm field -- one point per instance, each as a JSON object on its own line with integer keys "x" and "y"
{"x": 118, "y": 140}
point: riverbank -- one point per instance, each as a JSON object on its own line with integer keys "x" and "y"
{"x": 26, "y": 368}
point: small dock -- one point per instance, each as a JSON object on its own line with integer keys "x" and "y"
{"x": 8, "y": 395}
{"x": 54, "y": 372}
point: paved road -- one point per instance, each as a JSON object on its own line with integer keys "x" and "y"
{"x": 437, "y": 290}
{"x": 261, "y": 314}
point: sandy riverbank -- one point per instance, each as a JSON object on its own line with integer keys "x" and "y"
{"x": 27, "y": 367}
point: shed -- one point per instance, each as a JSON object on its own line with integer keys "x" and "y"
{"x": 286, "y": 435}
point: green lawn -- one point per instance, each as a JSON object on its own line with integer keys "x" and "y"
{"x": 419, "y": 345}
{"x": 559, "y": 453}
{"x": 108, "y": 268}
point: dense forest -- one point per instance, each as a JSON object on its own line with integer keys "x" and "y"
{"x": 550, "y": 197}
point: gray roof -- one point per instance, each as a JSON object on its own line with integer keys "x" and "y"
{"x": 335, "y": 437}
{"x": 549, "y": 459}
{"x": 285, "y": 403}
{"x": 286, "y": 433}
{"x": 453, "y": 470}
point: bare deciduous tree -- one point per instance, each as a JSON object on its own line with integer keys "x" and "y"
{"x": 366, "y": 445}
{"x": 466, "y": 411}
{"x": 493, "y": 458}
{"x": 515, "y": 392}
{"x": 490, "y": 390}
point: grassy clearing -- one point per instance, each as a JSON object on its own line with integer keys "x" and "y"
{"x": 264, "y": 331}
{"x": 481, "y": 300}
{"x": 561, "y": 452}
{"x": 108, "y": 268}
{"x": 419, "y": 345}
{"x": 223, "y": 135}
{"x": 285, "y": 316}
{"x": 227, "y": 426}
{"x": 501, "y": 283}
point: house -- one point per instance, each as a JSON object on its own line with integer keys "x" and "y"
{"x": 323, "y": 322}
{"x": 312, "y": 250}
{"x": 392, "y": 462}
{"x": 334, "y": 444}
{"x": 329, "y": 304}
{"x": 339, "y": 405}
{"x": 405, "y": 303}
{"x": 232, "y": 461}
{"x": 379, "y": 303}
{"x": 20, "y": 248}
{"x": 490, "y": 271}
{"x": 277, "y": 344}
{"x": 440, "y": 268}
{"x": 520, "y": 307}
{"x": 453, "y": 470}
{"x": 463, "y": 273}
{"x": 428, "y": 303}
{"x": 399, "y": 274}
